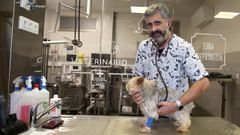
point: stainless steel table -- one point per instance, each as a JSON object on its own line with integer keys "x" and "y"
{"x": 126, "y": 125}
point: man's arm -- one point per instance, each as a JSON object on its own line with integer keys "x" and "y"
{"x": 193, "y": 93}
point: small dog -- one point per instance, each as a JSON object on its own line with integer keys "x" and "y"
{"x": 152, "y": 96}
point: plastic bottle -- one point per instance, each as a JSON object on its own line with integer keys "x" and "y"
{"x": 19, "y": 101}
{"x": 15, "y": 96}
{"x": 38, "y": 97}
{"x": 28, "y": 99}
{"x": 36, "y": 94}
{"x": 35, "y": 88}
{"x": 29, "y": 83}
{"x": 55, "y": 112}
{"x": 44, "y": 94}
{"x": 81, "y": 58}
{"x": 23, "y": 89}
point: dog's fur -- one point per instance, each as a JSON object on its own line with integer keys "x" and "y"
{"x": 152, "y": 96}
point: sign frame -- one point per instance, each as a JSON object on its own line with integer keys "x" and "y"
{"x": 224, "y": 50}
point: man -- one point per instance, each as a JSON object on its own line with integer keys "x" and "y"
{"x": 169, "y": 60}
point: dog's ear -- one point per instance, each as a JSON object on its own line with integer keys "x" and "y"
{"x": 127, "y": 86}
{"x": 140, "y": 80}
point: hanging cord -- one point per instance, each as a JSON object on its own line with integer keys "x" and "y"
{"x": 76, "y": 41}
{"x": 79, "y": 4}
{"x": 159, "y": 72}
{"x": 75, "y": 23}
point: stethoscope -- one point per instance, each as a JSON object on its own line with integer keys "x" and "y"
{"x": 156, "y": 65}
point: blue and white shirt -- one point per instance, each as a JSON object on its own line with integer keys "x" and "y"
{"x": 177, "y": 63}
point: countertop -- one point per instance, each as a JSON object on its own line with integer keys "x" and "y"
{"x": 129, "y": 125}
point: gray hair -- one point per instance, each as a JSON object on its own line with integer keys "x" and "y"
{"x": 158, "y": 7}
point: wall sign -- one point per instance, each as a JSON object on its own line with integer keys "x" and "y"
{"x": 211, "y": 49}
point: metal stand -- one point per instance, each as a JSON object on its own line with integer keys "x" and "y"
{"x": 45, "y": 54}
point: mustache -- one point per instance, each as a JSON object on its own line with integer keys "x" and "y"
{"x": 157, "y": 32}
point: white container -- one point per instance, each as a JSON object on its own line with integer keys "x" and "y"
{"x": 14, "y": 103}
{"x": 16, "y": 96}
{"x": 28, "y": 100}
{"x": 36, "y": 94}
{"x": 55, "y": 112}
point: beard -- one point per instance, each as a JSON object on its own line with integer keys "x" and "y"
{"x": 158, "y": 37}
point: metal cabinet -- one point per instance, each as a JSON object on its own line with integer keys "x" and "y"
{"x": 126, "y": 106}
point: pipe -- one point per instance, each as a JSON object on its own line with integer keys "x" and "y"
{"x": 58, "y": 15}
{"x": 89, "y": 8}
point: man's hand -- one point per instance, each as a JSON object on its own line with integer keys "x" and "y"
{"x": 166, "y": 108}
{"x": 137, "y": 98}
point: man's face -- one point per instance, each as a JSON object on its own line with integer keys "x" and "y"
{"x": 157, "y": 28}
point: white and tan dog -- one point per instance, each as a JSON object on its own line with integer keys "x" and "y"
{"x": 151, "y": 98}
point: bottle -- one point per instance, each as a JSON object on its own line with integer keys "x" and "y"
{"x": 44, "y": 94}
{"x": 39, "y": 98}
{"x": 35, "y": 88}
{"x": 28, "y": 99}
{"x": 36, "y": 94}
{"x": 15, "y": 96}
{"x": 55, "y": 112}
{"x": 81, "y": 58}
{"x": 18, "y": 100}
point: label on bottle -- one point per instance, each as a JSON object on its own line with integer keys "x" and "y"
{"x": 56, "y": 111}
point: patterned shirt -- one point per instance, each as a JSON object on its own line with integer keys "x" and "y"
{"x": 177, "y": 63}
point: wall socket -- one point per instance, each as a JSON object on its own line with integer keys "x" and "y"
{"x": 28, "y": 25}
{"x": 24, "y": 4}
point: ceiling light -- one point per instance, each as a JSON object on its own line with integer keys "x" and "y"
{"x": 226, "y": 15}
{"x": 135, "y": 9}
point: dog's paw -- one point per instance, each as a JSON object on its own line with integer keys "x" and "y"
{"x": 182, "y": 129}
{"x": 145, "y": 130}
{"x": 176, "y": 123}
{"x": 141, "y": 124}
